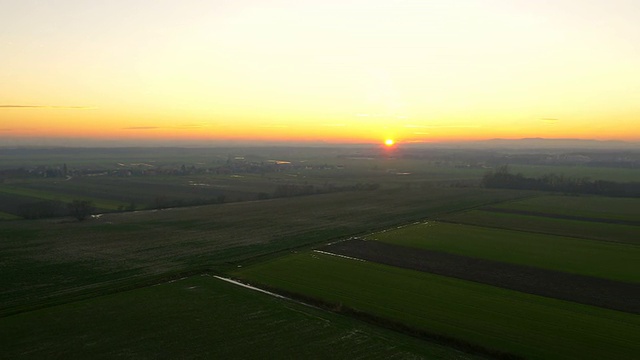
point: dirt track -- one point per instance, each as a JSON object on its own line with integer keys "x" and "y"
{"x": 560, "y": 285}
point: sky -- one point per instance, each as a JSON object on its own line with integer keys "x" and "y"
{"x": 319, "y": 71}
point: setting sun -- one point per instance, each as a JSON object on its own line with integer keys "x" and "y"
{"x": 389, "y": 142}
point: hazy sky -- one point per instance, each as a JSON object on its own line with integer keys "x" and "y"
{"x": 320, "y": 70}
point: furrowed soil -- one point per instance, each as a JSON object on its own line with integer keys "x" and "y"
{"x": 588, "y": 290}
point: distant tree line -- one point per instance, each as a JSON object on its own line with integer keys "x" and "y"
{"x": 164, "y": 202}
{"x": 43, "y": 209}
{"x": 501, "y": 178}
{"x": 289, "y": 190}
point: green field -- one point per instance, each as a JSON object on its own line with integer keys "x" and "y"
{"x": 614, "y": 261}
{"x": 528, "y": 325}
{"x": 7, "y": 216}
{"x": 113, "y": 193}
{"x": 579, "y": 172}
{"x": 201, "y": 317}
{"x": 541, "y": 224}
{"x": 36, "y": 194}
{"x": 598, "y": 207}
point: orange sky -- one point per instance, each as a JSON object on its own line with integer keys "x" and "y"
{"x": 333, "y": 71}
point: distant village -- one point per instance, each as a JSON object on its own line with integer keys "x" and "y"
{"x": 235, "y": 165}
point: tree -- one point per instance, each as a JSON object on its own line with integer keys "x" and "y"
{"x": 81, "y": 209}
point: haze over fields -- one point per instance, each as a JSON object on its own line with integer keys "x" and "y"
{"x": 142, "y": 72}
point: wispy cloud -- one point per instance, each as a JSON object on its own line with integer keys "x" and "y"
{"x": 47, "y": 107}
{"x": 184, "y": 126}
{"x": 441, "y": 126}
{"x": 549, "y": 120}
{"x": 6, "y": 129}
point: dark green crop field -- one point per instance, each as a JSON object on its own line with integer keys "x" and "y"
{"x": 31, "y": 194}
{"x": 531, "y": 326}
{"x": 7, "y": 216}
{"x": 596, "y": 207}
{"x": 201, "y": 317}
{"x": 580, "y": 172}
{"x": 608, "y": 260}
{"x": 549, "y": 225}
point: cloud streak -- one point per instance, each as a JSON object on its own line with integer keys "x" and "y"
{"x": 141, "y": 128}
{"x": 411, "y": 126}
{"x": 185, "y": 126}
{"x": 47, "y": 107}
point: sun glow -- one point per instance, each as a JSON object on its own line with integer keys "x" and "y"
{"x": 421, "y": 71}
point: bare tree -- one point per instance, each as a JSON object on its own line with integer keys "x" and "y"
{"x": 81, "y": 209}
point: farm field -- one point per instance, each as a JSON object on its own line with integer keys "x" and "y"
{"x": 117, "y": 179}
{"x": 38, "y": 194}
{"x": 142, "y": 192}
{"x": 527, "y": 325}
{"x": 595, "y": 207}
{"x": 47, "y": 261}
{"x": 201, "y": 317}
{"x": 582, "y": 289}
{"x": 548, "y": 225}
{"x": 516, "y": 250}
{"x": 579, "y": 172}
{"x": 615, "y": 261}
{"x": 7, "y": 216}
